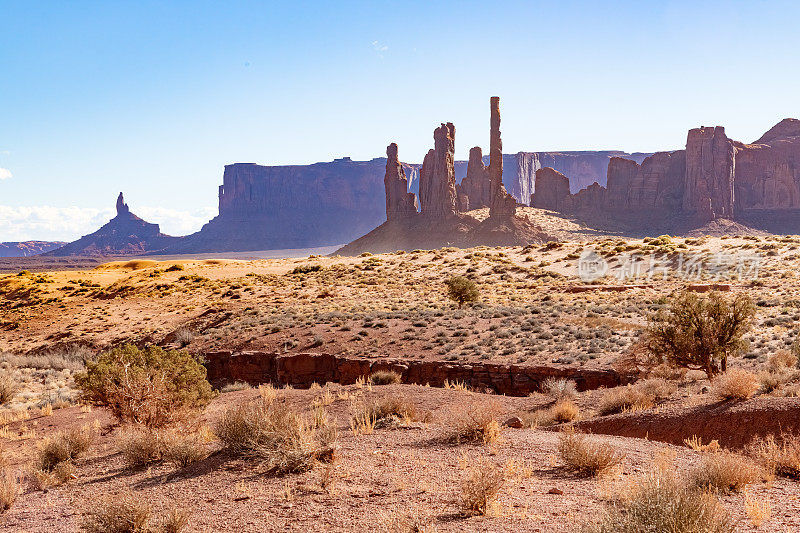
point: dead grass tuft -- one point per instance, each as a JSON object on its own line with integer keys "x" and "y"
{"x": 586, "y": 458}
{"x": 63, "y": 447}
{"x": 725, "y": 472}
{"x": 735, "y": 384}
{"x": 475, "y": 423}
{"x": 780, "y": 457}
{"x": 660, "y": 502}
{"x": 122, "y": 513}
{"x": 281, "y": 439}
{"x": 385, "y": 377}
{"x": 9, "y": 489}
{"x": 480, "y": 488}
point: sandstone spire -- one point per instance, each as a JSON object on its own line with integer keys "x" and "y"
{"x": 122, "y": 207}
{"x": 399, "y": 202}
{"x": 502, "y": 204}
{"x": 437, "y": 179}
{"x": 475, "y": 185}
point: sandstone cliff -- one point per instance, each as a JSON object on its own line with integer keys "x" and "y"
{"x": 714, "y": 177}
{"x": 501, "y": 204}
{"x": 125, "y": 234}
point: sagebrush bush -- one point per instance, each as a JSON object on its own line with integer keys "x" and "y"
{"x": 480, "y": 488}
{"x": 564, "y": 411}
{"x": 281, "y": 439}
{"x": 641, "y": 395}
{"x": 735, "y": 384}
{"x": 149, "y": 386}
{"x": 725, "y": 472}
{"x": 586, "y": 458}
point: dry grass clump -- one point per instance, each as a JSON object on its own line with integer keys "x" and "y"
{"x": 476, "y": 423}
{"x": 480, "y": 488}
{"x": 586, "y": 458}
{"x": 385, "y": 377}
{"x": 140, "y": 447}
{"x": 63, "y": 447}
{"x": 8, "y": 388}
{"x": 281, "y": 439}
{"x": 735, "y": 384}
{"x": 660, "y": 502}
{"x": 563, "y": 411}
{"x": 9, "y": 489}
{"x": 780, "y": 457}
{"x": 642, "y": 395}
{"x": 725, "y": 472}
{"x": 127, "y": 513}
{"x": 560, "y": 389}
{"x": 780, "y": 360}
{"x": 183, "y": 449}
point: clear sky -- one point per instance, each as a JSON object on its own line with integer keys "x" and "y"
{"x": 154, "y": 98}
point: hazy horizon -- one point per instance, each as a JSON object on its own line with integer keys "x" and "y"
{"x": 153, "y": 99}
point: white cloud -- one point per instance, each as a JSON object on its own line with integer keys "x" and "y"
{"x": 4, "y": 173}
{"x": 69, "y": 223}
{"x": 379, "y": 48}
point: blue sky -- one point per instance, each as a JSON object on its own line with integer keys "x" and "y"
{"x": 154, "y": 98}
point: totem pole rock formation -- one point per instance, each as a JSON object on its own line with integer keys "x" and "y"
{"x": 400, "y": 204}
{"x": 502, "y": 204}
{"x": 437, "y": 177}
{"x": 474, "y": 191}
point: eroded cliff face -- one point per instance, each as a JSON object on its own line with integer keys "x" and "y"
{"x": 715, "y": 177}
{"x": 708, "y": 191}
{"x": 768, "y": 171}
{"x": 474, "y": 191}
{"x": 28, "y": 248}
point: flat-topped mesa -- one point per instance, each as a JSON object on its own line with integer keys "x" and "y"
{"x": 710, "y": 165}
{"x": 474, "y": 191}
{"x": 122, "y": 207}
{"x": 501, "y": 204}
{"x": 400, "y": 204}
{"x": 437, "y": 177}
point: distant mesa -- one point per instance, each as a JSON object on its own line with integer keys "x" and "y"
{"x": 713, "y": 178}
{"x": 28, "y": 248}
{"x": 125, "y": 234}
{"x": 442, "y": 220}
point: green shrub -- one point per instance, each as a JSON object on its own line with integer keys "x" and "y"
{"x": 175, "y": 268}
{"x": 462, "y": 290}
{"x": 700, "y": 333}
{"x": 149, "y": 386}
{"x": 305, "y": 269}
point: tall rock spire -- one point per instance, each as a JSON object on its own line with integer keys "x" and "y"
{"x": 437, "y": 179}
{"x": 502, "y": 204}
{"x": 122, "y": 207}
{"x": 399, "y": 202}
